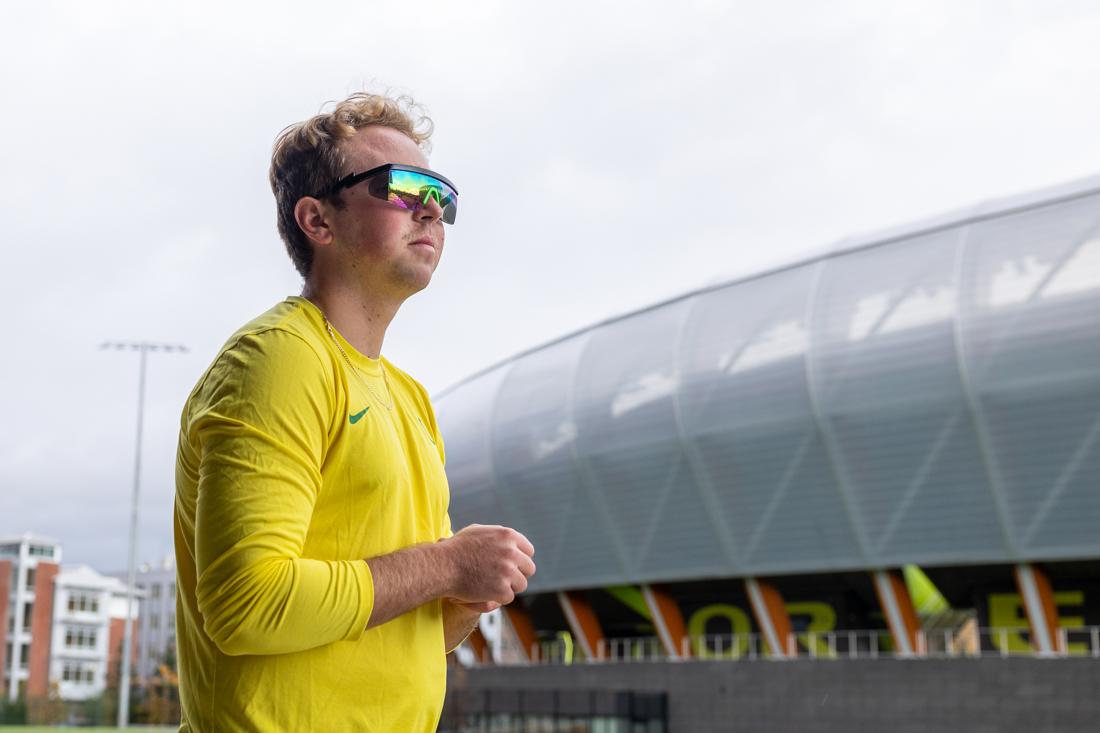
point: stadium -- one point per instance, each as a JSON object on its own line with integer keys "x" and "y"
{"x": 888, "y": 451}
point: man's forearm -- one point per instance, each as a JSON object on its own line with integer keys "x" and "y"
{"x": 458, "y": 622}
{"x": 407, "y": 579}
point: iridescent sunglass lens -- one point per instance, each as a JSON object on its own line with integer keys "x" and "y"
{"x": 412, "y": 190}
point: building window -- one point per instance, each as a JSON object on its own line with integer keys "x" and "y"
{"x": 77, "y": 673}
{"x": 80, "y": 637}
{"x": 9, "y": 550}
{"x": 156, "y": 590}
{"x": 30, "y": 578}
{"x": 28, "y": 609}
{"x": 83, "y": 601}
{"x": 154, "y": 621}
{"x": 24, "y": 655}
{"x": 41, "y": 551}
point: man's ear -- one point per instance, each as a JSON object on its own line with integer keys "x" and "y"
{"x": 310, "y": 215}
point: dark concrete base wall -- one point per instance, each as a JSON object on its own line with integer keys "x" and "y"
{"x": 967, "y": 695}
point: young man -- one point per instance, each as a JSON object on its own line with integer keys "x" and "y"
{"x": 320, "y": 586}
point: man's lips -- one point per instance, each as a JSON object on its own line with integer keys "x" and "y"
{"x": 422, "y": 242}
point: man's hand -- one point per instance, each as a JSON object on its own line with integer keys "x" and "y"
{"x": 480, "y": 569}
{"x": 490, "y": 564}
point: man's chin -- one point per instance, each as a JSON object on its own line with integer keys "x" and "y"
{"x": 413, "y": 282}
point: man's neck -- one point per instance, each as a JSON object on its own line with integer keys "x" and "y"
{"x": 360, "y": 319}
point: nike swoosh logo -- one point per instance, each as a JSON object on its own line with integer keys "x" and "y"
{"x": 358, "y": 416}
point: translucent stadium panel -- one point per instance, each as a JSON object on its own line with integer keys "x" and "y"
{"x": 630, "y": 448}
{"x": 750, "y": 427}
{"x": 534, "y": 451}
{"x": 893, "y": 405}
{"x": 463, "y": 416}
{"x": 1031, "y": 335}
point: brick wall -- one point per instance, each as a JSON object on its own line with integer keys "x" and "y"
{"x": 114, "y": 646}
{"x": 38, "y": 671}
{"x": 5, "y": 591}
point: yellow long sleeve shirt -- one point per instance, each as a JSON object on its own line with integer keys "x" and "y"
{"x": 290, "y": 471}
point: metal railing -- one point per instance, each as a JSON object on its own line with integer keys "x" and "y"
{"x": 967, "y": 642}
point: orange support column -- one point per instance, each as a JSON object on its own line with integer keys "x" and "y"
{"x": 897, "y": 607}
{"x": 479, "y": 647}
{"x": 771, "y": 616}
{"x": 583, "y": 623}
{"x": 1042, "y": 616}
{"x": 669, "y": 621}
{"x": 525, "y": 631}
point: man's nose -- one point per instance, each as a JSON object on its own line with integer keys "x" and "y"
{"x": 431, "y": 211}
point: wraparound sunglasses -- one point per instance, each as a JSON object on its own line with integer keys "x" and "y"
{"x": 405, "y": 186}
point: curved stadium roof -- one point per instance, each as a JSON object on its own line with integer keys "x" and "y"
{"x": 929, "y": 395}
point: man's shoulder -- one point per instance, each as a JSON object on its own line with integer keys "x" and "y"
{"x": 288, "y": 325}
{"x": 271, "y": 353}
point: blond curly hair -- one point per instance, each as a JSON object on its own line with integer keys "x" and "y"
{"x": 307, "y": 157}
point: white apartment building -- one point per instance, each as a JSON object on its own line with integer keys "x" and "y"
{"x": 89, "y": 613}
{"x": 28, "y": 564}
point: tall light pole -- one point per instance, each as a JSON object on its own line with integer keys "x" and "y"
{"x": 143, "y": 347}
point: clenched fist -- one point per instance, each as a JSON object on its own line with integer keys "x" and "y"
{"x": 488, "y": 565}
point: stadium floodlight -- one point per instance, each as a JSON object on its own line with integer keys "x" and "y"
{"x": 142, "y": 347}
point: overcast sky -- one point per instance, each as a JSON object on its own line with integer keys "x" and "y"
{"x": 608, "y": 156}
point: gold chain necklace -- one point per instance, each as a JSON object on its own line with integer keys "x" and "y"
{"x": 358, "y": 375}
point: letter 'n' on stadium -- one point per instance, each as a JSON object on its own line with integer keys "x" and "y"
{"x": 892, "y": 448}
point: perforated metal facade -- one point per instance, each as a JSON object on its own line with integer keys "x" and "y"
{"x": 928, "y": 396}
